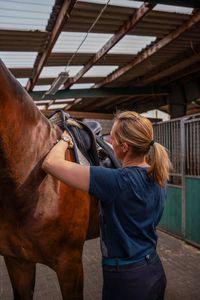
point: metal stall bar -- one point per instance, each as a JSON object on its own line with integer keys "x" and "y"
{"x": 183, "y": 169}
{"x": 192, "y": 180}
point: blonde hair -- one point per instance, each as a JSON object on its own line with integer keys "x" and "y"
{"x": 137, "y": 132}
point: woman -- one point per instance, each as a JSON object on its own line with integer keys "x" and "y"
{"x": 131, "y": 203}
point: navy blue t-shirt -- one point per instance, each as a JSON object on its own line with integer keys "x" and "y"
{"x": 131, "y": 205}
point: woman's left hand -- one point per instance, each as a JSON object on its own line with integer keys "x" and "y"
{"x": 67, "y": 138}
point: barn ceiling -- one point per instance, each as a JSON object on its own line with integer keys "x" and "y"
{"x": 119, "y": 54}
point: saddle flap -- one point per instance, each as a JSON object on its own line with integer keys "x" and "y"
{"x": 87, "y": 140}
{"x": 94, "y": 126}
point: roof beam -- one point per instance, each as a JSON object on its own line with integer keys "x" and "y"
{"x": 97, "y": 103}
{"x": 103, "y": 92}
{"x": 171, "y": 68}
{"x": 126, "y": 27}
{"x": 184, "y": 3}
{"x": 132, "y": 99}
{"x": 103, "y": 103}
{"x": 85, "y": 115}
{"x": 62, "y": 17}
{"x": 125, "y": 99}
{"x": 185, "y": 76}
{"x": 144, "y": 105}
{"x": 151, "y": 50}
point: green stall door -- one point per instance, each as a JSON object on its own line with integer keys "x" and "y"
{"x": 171, "y": 219}
{"x": 193, "y": 210}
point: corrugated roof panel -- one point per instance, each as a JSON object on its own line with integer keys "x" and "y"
{"x": 131, "y": 44}
{"x": 49, "y": 81}
{"x": 21, "y": 72}
{"x": 14, "y": 40}
{"x": 89, "y": 79}
{"x": 60, "y": 59}
{"x": 100, "y": 71}
{"x": 159, "y": 23}
{"x": 23, "y": 14}
{"x": 71, "y": 41}
{"x": 55, "y": 71}
{"x": 82, "y": 16}
{"x": 18, "y": 59}
{"x": 165, "y": 58}
{"x": 45, "y": 81}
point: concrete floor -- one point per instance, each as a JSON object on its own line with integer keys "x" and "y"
{"x": 181, "y": 262}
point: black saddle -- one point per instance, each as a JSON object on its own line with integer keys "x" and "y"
{"x": 87, "y": 139}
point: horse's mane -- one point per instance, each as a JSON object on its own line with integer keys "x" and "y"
{"x": 10, "y": 88}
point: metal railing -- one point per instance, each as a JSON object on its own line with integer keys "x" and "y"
{"x": 181, "y": 137}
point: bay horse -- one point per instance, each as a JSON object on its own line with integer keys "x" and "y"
{"x": 41, "y": 219}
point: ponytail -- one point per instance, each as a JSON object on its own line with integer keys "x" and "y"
{"x": 160, "y": 164}
{"x": 137, "y": 132}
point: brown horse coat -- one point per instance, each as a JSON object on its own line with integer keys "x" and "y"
{"x": 42, "y": 220}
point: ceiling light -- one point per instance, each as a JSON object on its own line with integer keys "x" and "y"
{"x": 60, "y": 80}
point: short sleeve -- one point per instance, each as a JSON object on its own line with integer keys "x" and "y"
{"x": 104, "y": 183}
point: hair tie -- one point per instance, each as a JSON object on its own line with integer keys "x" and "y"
{"x": 152, "y": 142}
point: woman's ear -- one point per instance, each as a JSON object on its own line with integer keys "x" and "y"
{"x": 125, "y": 147}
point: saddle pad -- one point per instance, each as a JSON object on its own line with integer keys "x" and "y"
{"x": 82, "y": 159}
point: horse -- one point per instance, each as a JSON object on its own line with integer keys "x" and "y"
{"x": 42, "y": 219}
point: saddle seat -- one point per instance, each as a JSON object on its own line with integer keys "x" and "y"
{"x": 89, "y": 146}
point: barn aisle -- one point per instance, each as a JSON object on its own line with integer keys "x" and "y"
{"x": 181, "y": 261}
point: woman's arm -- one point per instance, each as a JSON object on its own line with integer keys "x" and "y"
{"x": 68, "y": 172}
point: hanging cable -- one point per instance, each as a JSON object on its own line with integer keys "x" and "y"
{"x": 63, "y": 76}
{"x": 90, "y": 29}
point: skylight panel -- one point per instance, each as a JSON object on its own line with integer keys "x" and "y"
{"x": 66, "y": 100}
{"x": 18, "y": 59}
{"x": 22, "y": 81}
{"x": 38, "y": 88}
{"x": 70, "y": 41}
{"x": 81, "y": 86}
{"x": 57, "y": 106}
{"x": 45, "y": 88}
{"x": 137, "y": 4}
{"x": 41, "y": 107}
{"x": 100, "y": 71}
{"x": 124, "y": 3}
{"x": 53, "y": 72}
{"x": 173, "y": 8}
{"x": 25, "y": 14}
{"x": 43, "y": 101}
{"x": 131, "y": 44}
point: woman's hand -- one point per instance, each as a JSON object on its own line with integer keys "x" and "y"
{"x": 67, "y": 138}
{"x": 68, "y": 172}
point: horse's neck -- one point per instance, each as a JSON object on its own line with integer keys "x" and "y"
{"x": 26, "y": 135}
